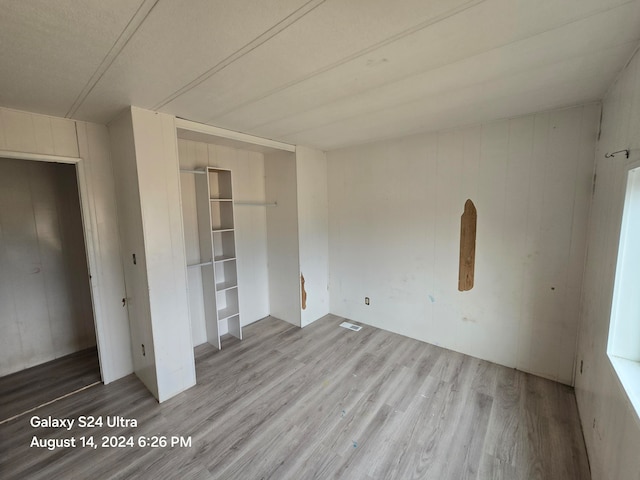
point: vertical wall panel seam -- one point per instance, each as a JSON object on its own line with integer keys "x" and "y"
{"x": 583, "y": 128}
{"x": 65, "y": 251}
{"x": 181, "y": 225}
{"x": 435, "y": 219}
{"x": 527, "y": 233}
{"x": 3, "y": 136}
{"x": 44, "y": 275}
{"x": 33, "y": 148}
{"x": 13, "y": 304}
{"x": 572, "y": 237}
{"x": 523, "y": 269}
{"x": 507, "y": 170}
{"x": 583, "y": 283}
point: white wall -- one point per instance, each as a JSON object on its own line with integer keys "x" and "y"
{"x": 313, "y": 230}
{"x": 611, "y": 427}
{"x": 159, "y": 182}
{"x": 145, "y": 151}
{"x": 132, "y": 242}
{"x": 32, "y": 135}
{"x": 394, "y": 226}
{"x": 247, "y": 171}
{"x": 282, "y": 237}
{"x": 45, "y": 302}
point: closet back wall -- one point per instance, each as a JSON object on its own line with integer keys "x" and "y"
{"x": 45, "y": 302}
{"x": 247, "y": 170}
{"x": 394, "y": 236}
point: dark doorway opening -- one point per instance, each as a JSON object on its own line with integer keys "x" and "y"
{"x": 47, "y": 330}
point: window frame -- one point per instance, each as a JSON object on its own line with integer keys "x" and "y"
{"x": 623, "y": 355}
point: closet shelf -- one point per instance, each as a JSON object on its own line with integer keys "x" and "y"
{"x": 214, "y": 202}
{"x": 196, "y": 265}
{"x": 227, "y": 314}
{"x": 257, "y": 204}
{"x": 223, "y": 258}
{"x": 223, "y": 287}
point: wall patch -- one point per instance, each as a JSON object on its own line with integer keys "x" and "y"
{"x": 468, "y": 222}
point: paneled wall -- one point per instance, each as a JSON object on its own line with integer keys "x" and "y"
{"x": 39, "y": 134}
{"x": 248, "y": 173}
{"x": 394, "y": 236}
{"x": 145, "y": 151}
{"x": 611, "y": 427}
{"x": 45, "y": 302}
{"x": 132, "y": 241}
{"x": 98, "y": 195}
{"x": 283, "y": 247}
{"x": 31, "y": 135}
{"x": 313, "y": 229}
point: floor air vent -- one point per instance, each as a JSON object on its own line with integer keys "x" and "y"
{"x": 351, "y": 326}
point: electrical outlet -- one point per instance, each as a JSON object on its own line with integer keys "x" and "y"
{"x": 366, "y": 300}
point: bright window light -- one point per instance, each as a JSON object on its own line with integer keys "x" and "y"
{"x": 624, "y": 332}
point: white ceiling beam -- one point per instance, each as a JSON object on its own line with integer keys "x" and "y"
{"x": 202, "y": 128}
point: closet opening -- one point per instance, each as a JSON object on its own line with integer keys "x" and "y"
{"x": 238, "y": 197}
{"x": 48, "y": 346}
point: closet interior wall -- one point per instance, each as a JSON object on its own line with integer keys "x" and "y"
{"x": 248, "y": 176}
{"x": 45, "y": 301}
{"x": 283, "y": 241}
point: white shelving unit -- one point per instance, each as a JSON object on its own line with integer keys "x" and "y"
{"x": 214, "y": 201}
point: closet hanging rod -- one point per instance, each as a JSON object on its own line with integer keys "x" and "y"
{"x": 200, "y": 172}
{"x": 257, "y": 204}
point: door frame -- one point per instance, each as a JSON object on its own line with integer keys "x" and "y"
{"x": 89, "y": 245}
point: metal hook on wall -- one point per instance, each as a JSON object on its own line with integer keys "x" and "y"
{"x": 611, "y": 155}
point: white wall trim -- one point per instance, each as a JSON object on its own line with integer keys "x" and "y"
{"x": 181, "y": 123}
{"x": 39, "y": 157}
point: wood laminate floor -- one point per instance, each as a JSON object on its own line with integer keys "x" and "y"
{"x": 24, "y": 390}
{"x": 322, "y": 402}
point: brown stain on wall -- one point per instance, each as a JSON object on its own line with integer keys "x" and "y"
{"x": 304, "y": 292}
{"x": 466, "y": 270}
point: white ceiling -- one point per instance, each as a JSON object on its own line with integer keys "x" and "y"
{"x": 322, "y": 73}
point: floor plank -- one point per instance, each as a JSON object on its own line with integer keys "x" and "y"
{"x": 316, "y": 403}
{"x": 34, "y": 386}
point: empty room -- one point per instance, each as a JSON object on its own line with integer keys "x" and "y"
{"x": 313, "y": 239}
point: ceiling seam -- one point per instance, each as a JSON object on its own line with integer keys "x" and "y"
{"x": 393, "y": 39}
{"x": 621, "y": 72}
{"x": 454, "y": 128}
{"x": 435, "y": 68}
{"x": 420, "y": 130}
{"x": 118, "y": 46}
{"x": 247, "y": 48}
{"x": 409, "y": 102}
{"x": 382, "y": 43}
